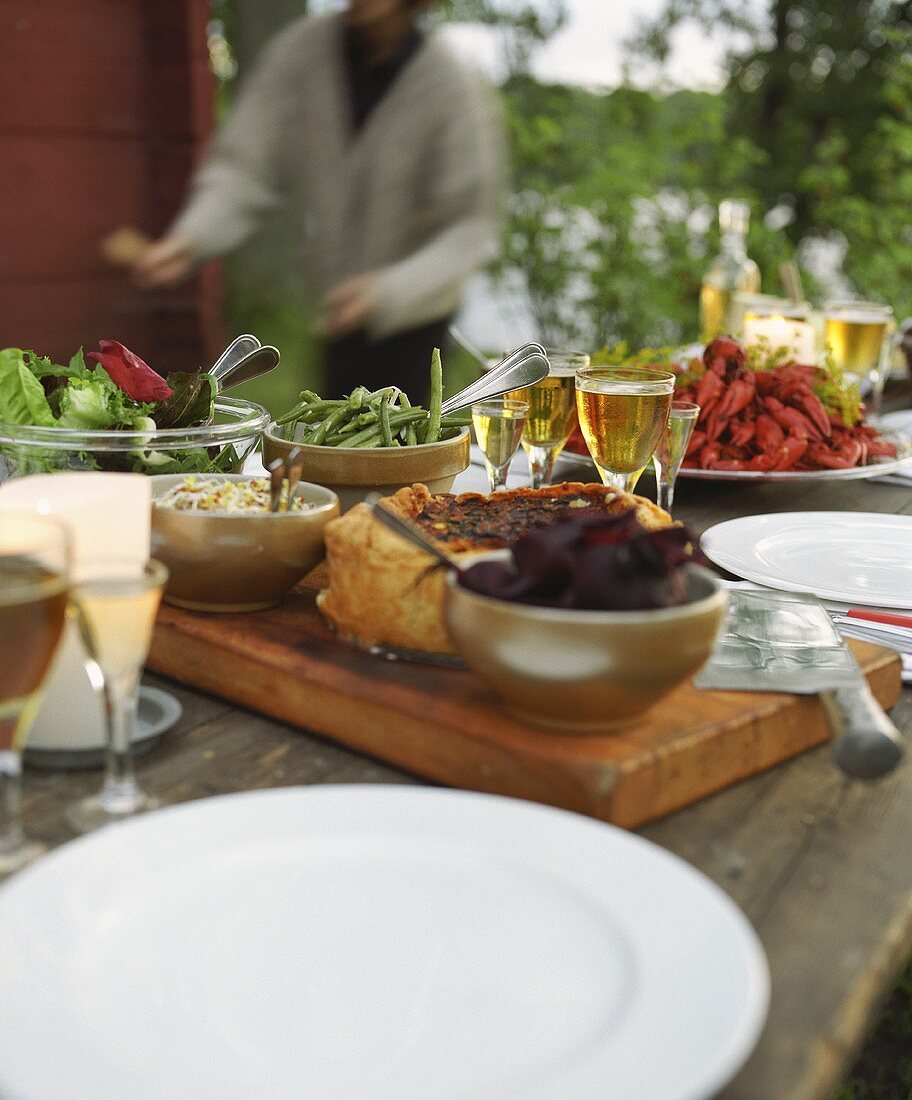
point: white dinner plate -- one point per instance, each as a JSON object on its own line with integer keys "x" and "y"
{"x": 901, "y": 437}
{"x": 853, "y": 557}
{"x": 359, "y": 941}
{"x": 880, "y": 467}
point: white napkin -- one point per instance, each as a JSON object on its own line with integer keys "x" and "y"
{"x": 892, "y": 637}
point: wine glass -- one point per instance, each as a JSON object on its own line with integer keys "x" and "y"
{"x": 499, "y": 425}
{"x": 114, "y": 602}
{"x": 552, "y": 414}
{"x": 669, "y": 454}
{"x": 856, "y": 334}
{"x": 622, "y": 412}
{"x": 34, "y": 589}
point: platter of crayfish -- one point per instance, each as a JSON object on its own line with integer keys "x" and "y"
{"x": 764, "y": 417}
{"x": 779, "y": 421}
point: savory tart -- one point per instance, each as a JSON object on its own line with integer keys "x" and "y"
{"x": 383, "y": 590}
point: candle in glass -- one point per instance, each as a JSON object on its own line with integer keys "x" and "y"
{"x": 102, "y": 511}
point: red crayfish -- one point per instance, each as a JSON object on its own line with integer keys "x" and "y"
{"x": 768, "y": 420}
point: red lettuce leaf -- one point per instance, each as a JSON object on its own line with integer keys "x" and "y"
{"x": 129, "y": 373}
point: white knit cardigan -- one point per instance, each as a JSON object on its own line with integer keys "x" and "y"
{"x": 413, "y": 196}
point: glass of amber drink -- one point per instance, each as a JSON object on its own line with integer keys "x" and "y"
{"x": 856, "y": 335}
{"x": 623, "y": 412}
{"x": 552, "y": 414}
{"x": 34, "y": 589}
{"x": 114, "y": 603}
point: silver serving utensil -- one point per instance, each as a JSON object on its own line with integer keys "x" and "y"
{"x": 259, "y": 361}
{"x": 294, "y": 467}
{"x": 784, "y": 641}
{"x": 523, "y": 367}
{"x": 276, "y": 470}
{"x": 407, "y": 530}
{"x": 232, "y": 355}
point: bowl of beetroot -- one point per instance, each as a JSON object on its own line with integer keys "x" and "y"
{"x": 583, "y": 626}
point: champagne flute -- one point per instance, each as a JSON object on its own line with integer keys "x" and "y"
{"x": 552, "y": 414}
{"x": 34, "y": 589}
{"x": 669, "y": 454}
{"x": 499, "y": 425}
{"x": 622, "y": 412}
{"x": 114, "y": 602}
{"x": 856, "y": 334}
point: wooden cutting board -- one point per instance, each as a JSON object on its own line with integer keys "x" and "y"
{"x": 446, "y": 725}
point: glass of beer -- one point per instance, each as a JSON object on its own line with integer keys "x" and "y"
{"x": 669, "y": 454}
{"x": 499, "y": 425}
{"x": 34, "y": 590}
{"x": 856, "y": 335}
{"x": 623, "y": 412}
{"x": 114, "y": 602}
{"x": 552, "y": 413}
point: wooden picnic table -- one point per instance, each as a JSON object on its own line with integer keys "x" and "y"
{"x": 820, "y": 865}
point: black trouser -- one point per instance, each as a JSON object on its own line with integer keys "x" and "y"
{"x": 402, "y": 360}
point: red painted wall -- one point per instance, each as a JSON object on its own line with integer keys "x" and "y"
{"x": 104, "y": 106}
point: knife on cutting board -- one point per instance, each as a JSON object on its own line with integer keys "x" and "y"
{"x": 785, "y": 642}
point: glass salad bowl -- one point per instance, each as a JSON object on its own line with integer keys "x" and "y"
{"x": 218, "y": 447}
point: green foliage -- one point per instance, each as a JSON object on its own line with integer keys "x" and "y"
{"x": 611, "y": 233}
{"x": 884, "y": 1070}
{"x": 612, "y": 219}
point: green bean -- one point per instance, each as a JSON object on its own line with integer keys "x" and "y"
{"x": 456, "y": 420}
{"x": 433, "y": 427}
{"x": 385, "y": 420}
{"x": 308, "y": 397}
{"x": 358, "y": 397}
{"x": 410, "y": 439}
{"x": 332, "y": 421}
{"x": 377, "y": 395}
{"x": 310, "y": 410}
{"x": 397, "y": 420}
{"x": 292, "y": 414}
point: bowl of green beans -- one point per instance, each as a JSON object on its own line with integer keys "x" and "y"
{"x": 373, "y": 441}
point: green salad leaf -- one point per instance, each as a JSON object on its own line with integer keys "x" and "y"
{"x": 94, "y": 403}
{"x": 191, "y": 403}
{"x": 22, "y": 397}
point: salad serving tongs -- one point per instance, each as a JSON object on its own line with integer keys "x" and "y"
{"x": 282, "y": 472}
{"x": 244, "y": 358}
{"x": 521, "y": 368}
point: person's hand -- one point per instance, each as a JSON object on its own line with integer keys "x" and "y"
{"x": 164, "y": 263}
{"x": 347, "y": 307}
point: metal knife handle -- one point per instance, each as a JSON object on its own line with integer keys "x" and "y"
{"x": 866, "y": 744}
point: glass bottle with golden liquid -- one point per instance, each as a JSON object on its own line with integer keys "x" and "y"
{"x": 731, "y": 273}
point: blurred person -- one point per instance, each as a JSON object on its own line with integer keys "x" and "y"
{"x": 391, "y": 150}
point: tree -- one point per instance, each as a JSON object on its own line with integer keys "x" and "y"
{"x": 823, "y": 91}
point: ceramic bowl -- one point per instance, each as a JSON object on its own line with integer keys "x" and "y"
{"x": 584, "y": 671}
{"x": 237, "y": 561}
{"x": 353, "y": 472}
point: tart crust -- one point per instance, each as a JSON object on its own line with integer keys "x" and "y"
{"x": 384, "y": 591}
